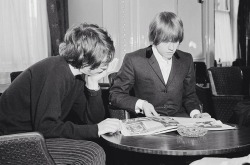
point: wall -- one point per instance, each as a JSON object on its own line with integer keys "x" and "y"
{"x": 89, "y": 11}
{"x": 127, "y": 21}
{"x": 190, "y": 14}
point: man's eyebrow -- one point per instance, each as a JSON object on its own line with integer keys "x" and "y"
{"x": 104, "y": 67}
{"x": 104, "y": 64}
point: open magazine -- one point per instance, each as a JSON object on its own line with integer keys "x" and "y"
{"x": 208, "y": 123}
{"x": 148, "y": 125}
{"x": 162, "y": 124}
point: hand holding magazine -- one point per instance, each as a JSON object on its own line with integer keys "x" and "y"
{"x": 162, "y": 124}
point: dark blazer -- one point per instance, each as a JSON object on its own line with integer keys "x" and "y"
{"x": 140, "y": 71}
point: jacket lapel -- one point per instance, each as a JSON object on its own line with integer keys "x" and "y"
{"x": 154, "y": 64}
{"x": 175, "y": 68}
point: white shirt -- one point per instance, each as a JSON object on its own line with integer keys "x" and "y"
{"x": 165, "y": 65}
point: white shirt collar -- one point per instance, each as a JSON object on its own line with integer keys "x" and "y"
{"x": 74, "y": 70}
{"x": 159, "y": 57}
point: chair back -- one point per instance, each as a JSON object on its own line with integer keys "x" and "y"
{"x": 201, "y": 73}
{"x": 13, "y": 75}
{"x": 23, "y": 149}
{"x": 111, "y": 78}
{"x": 226, "y": 80}
{"x": 246, "y": 79}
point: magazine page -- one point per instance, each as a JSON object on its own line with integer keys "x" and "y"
{"x": 208, "y": 123}
{"x": 148, "y": 125}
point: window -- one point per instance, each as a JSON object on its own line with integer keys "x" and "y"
{"x": 24, "y": 34}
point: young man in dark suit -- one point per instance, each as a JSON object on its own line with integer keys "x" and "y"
{"x": 161, "y": 76}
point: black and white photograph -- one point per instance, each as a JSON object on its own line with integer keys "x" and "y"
{"x": 125, "y": 82}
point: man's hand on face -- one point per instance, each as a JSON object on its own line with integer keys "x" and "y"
{"x": 92, "y": 80}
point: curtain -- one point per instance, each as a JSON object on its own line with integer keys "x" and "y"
{"x": 244, "y": 31}
{"x": 223, "y": 34}
{"x": 234, "y": 16}
{"x": 24, "y": 35}
{"x": 58, "y": 22}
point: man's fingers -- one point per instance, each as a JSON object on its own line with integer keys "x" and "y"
{"x": 197, "y": 115}
{"x": 205, "y": 115}
{"x": 149, "y": 114}
{"x": 202, "y": 115}
{"x": 155, "y": 113}
{"x": 109, "y": 126}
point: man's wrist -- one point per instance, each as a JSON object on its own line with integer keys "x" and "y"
{"x": 91, "y": 84}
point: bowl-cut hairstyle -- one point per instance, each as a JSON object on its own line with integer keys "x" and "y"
{"x": 87, "y": 45}
{"x": 166, "y": 27}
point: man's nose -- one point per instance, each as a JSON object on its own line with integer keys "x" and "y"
{"x": 171, "y": 46}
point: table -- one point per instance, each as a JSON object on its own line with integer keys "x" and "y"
{"x": 226, "y": 143}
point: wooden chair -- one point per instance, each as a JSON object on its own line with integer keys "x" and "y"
{"x": 24, "y": 149}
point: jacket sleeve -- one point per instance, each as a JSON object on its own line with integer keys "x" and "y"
{"x": 190, "y": 99}
{"x": 123, "y": 83}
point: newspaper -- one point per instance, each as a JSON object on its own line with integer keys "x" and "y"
{"x": 148, "y": 125}
{"x": 162, "y": 124}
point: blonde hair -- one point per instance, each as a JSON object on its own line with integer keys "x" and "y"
{"x": 166, "y": 27}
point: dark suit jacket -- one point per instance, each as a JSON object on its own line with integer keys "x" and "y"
{"x": 140, "y": 71}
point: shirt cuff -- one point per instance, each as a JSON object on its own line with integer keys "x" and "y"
{"x": 194, "y": 112}
{"x": 138, "y": 106}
